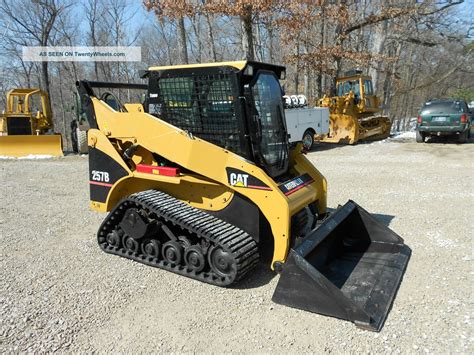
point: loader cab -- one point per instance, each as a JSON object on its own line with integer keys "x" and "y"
{"x": 362, "y": 88}
{"x": 235, "y": 105}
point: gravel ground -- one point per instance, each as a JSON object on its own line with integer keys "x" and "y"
{"x": 58, "y": 291}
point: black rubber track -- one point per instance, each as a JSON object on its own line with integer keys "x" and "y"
{"x": 171, "y": 211}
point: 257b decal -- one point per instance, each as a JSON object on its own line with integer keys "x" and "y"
{"x": 101, "y": 176}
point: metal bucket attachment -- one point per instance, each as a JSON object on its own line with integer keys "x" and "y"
{"x": 24, "y": 145}
{"x": 350, "y": 268}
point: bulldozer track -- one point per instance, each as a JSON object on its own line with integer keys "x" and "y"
{"x": 237, "y": 252}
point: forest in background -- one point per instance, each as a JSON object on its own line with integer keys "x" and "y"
{"x": 414, "y": 50}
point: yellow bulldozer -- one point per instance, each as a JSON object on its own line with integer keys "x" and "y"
{"x": 353, "y": 112}
{"x": 199, "y": 179}
{"x": 26, "y": 126}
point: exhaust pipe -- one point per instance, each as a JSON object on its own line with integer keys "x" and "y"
{"x": 350, "y": 268}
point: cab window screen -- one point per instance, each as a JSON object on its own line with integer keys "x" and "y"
{"x": 204, "y": 105}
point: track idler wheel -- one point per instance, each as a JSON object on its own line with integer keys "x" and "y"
{"x": 184, "y": 241}
{"x": 194, "y": 258}
{"x": 131, "y": 244}
{"x": 172, "y": 252}
{"x": 151, "y": 248}
{"x": 222, "y": 262}
{"x": 114, "y": 238}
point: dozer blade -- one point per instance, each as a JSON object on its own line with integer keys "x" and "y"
{"x": 24, "y": 145}
{"x": 350, "y": 268}
{"x": 343, "y": 129}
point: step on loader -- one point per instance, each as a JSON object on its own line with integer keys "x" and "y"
{"x": 199, "y": 179}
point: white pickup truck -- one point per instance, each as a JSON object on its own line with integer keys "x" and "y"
{"x": 304, "y": 123}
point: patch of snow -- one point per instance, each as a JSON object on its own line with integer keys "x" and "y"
{"x": 34, "y": 156}
{"x": 403, "y": 135}
{"x": 27, "y": 157}
{"x": 438, "y": 239}
{"x": 398, "y": 136}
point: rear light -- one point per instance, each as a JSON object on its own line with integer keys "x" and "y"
{"x": 157, "y": 170}
{"x": 419, "y": 120}
{"x": 463, "y": 118}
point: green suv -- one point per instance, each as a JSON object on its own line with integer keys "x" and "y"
{"x": 448, "y": 117}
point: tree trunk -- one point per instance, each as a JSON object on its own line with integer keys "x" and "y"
{"x": 168, "y": 45}
{"x": 271, "y": 34}
{"x": 45, "y": 77}
{"x": 259, "y": 52}
{"x": 210, "y": 38}
{"x": 407, "y": 80}
{"x": 378, "y": 44}
{"x": 183, "y": 49}
{"x": 297, "y": 72}
{"x": 63, "y": 111}
{"x": 319, "y": 85}
{"x": 247, "y": 33}
{"x": 27, "y": 73}
{"x": 195, "y": 21}
{"x": 321, "y": 80}
{"x": 306, "y": 89}
{"x": 337, "y": 72}
{"x": 387, "y": 88}
{"x": 94, "y": 44}
{"x": 411, "y": 98}
{"x": 337, "y": 63}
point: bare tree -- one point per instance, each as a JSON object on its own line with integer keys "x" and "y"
{"x": 37, "y": 25}
{"x": 210, "y": 38}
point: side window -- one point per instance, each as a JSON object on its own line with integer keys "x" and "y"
{"x": 458, "y": 106}
{"x": 344, "y": 88}
{"x": 267, "y": 98}
{"x": 340, "y": 89}
{"x": 347, "y": 87}
{"x": 35, "y": 104}
{"x": 368, "y": 89}
{"x": 355, "y": 86}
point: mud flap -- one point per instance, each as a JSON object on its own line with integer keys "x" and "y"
{"x": 350, "y": 268}
{"x": 24, "y": 145}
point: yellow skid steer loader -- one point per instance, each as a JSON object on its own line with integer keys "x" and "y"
{"x": 199, "y": 180}
{"x": 26, "y": 126}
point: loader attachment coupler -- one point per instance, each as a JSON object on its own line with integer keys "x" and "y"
{"x": 350, "y": 268}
